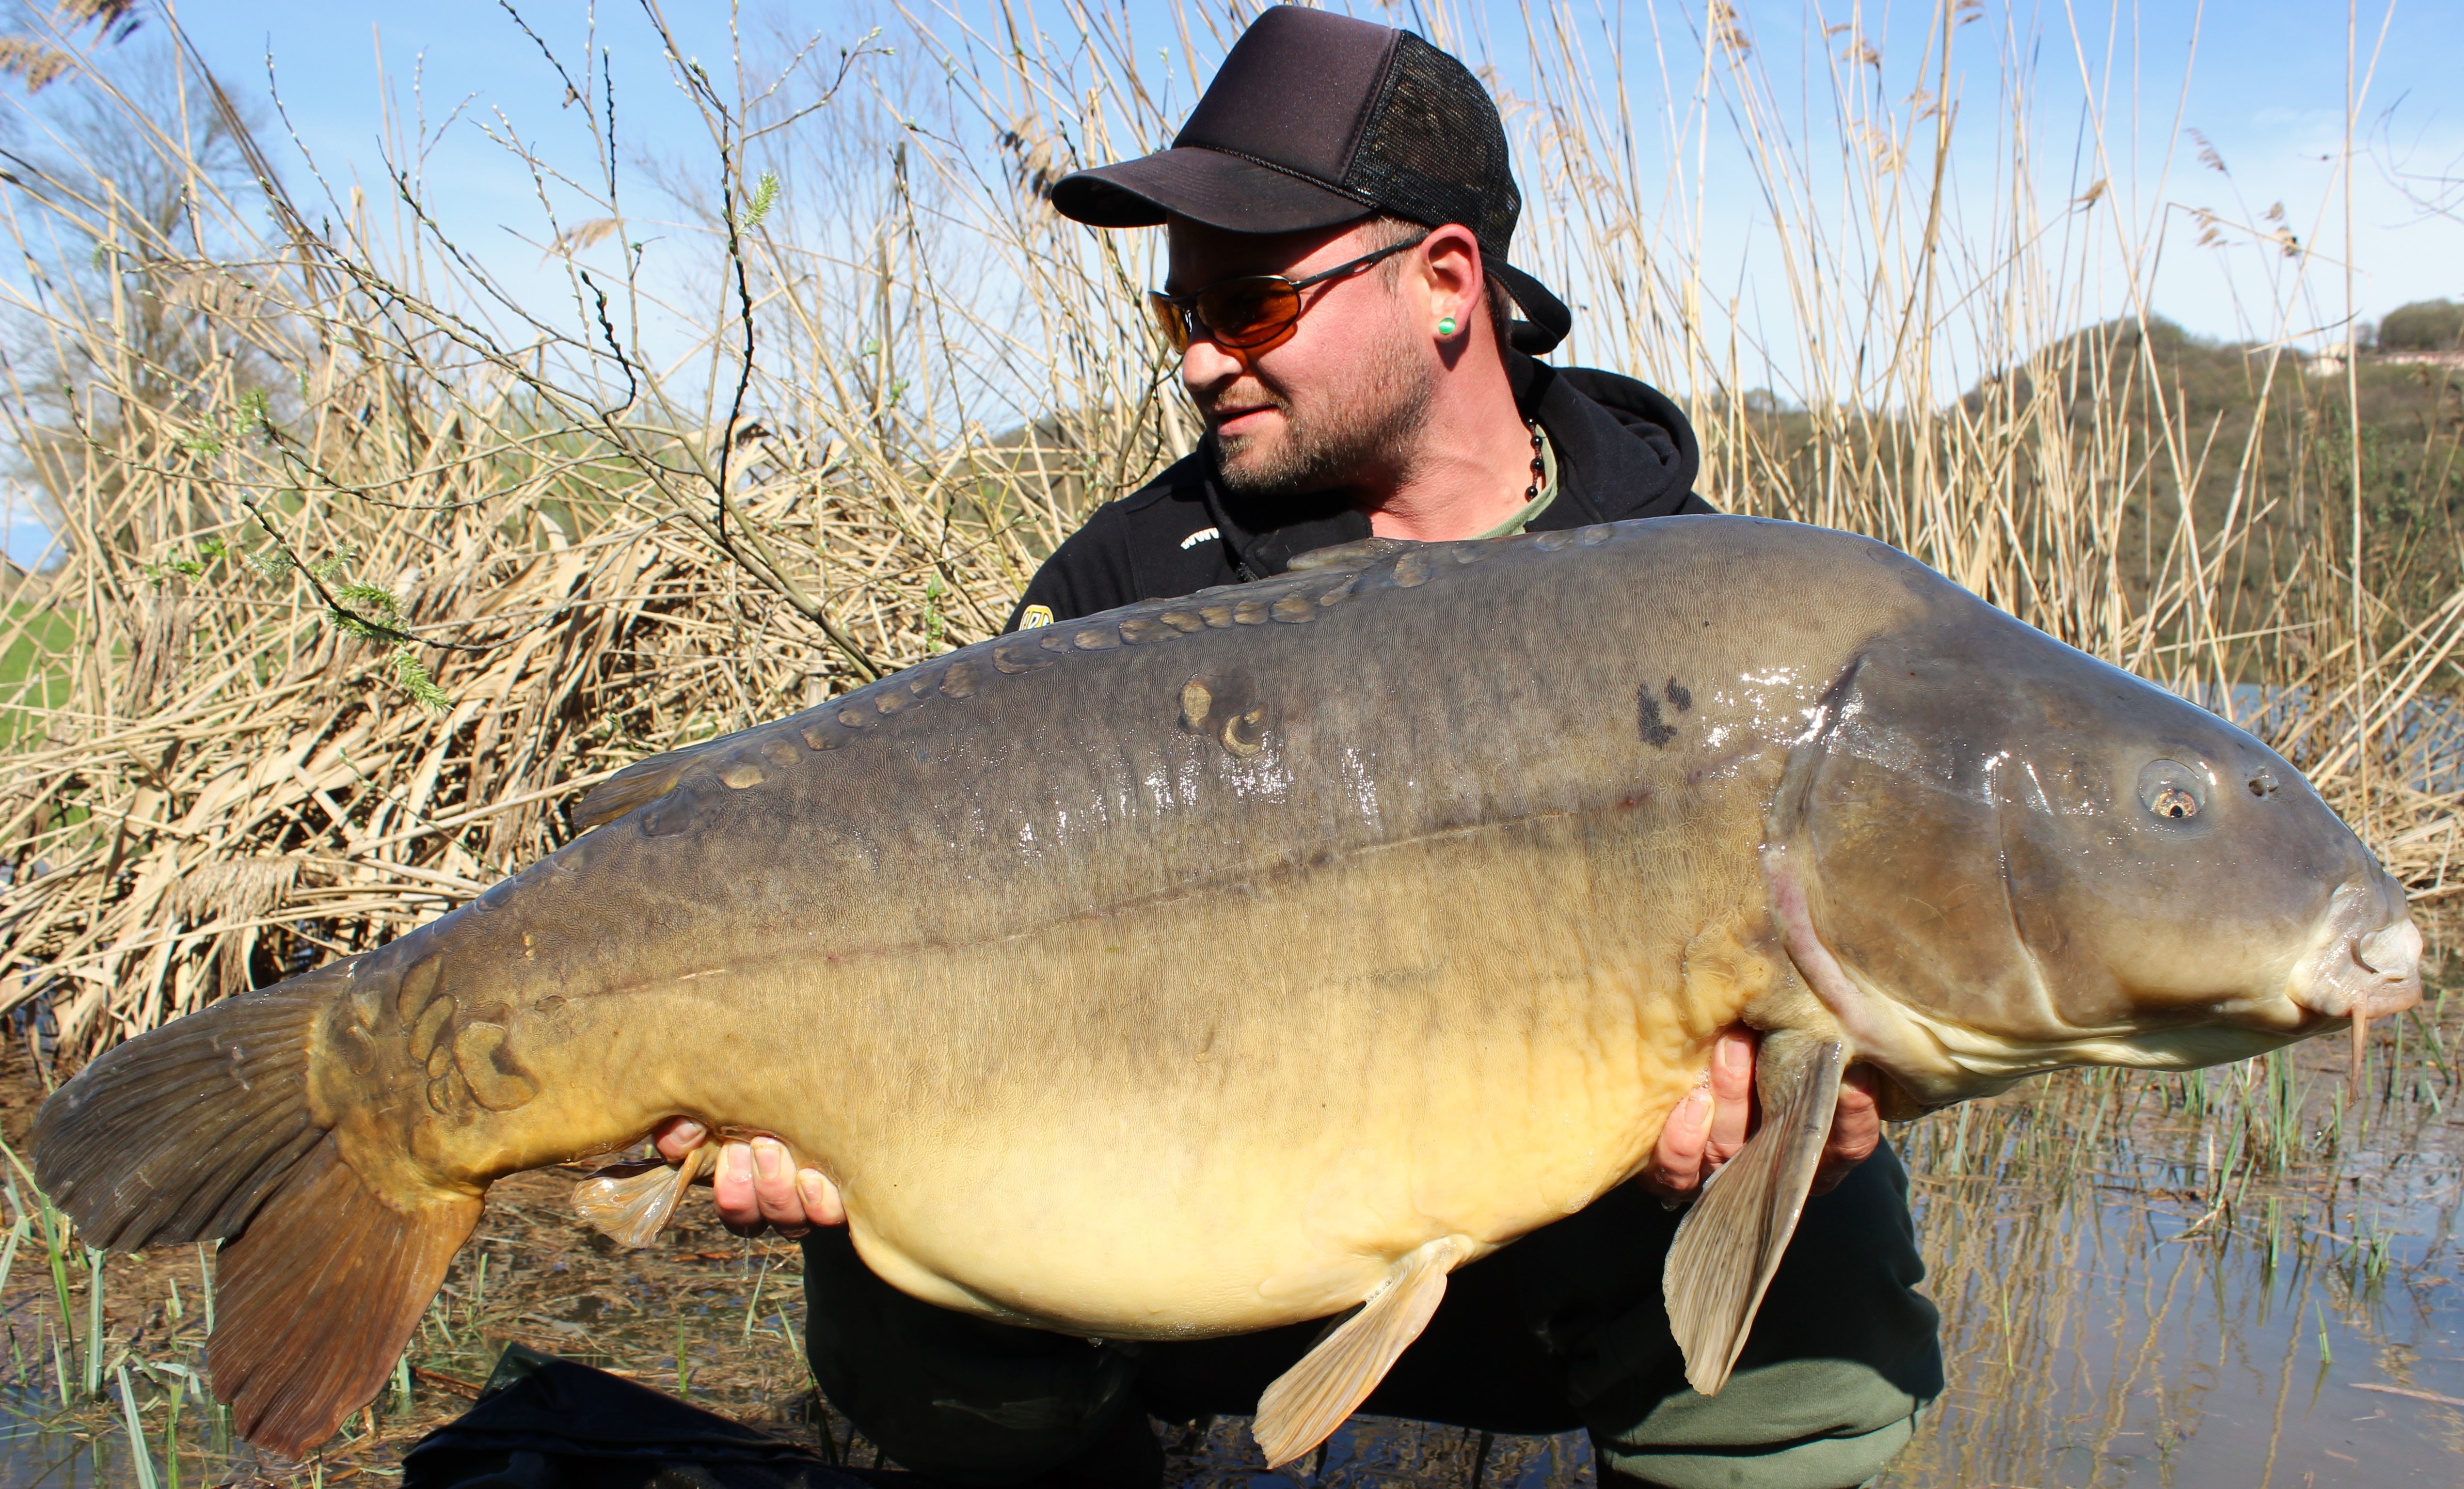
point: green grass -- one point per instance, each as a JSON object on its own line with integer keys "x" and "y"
{"x": 33, "y": 667}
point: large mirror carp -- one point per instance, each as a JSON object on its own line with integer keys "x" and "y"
{"x": 1220, "y": 963}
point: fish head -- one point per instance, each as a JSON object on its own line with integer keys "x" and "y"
{"x": 1993, "y": 855}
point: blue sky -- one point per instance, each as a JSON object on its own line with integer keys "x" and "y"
{"x": 2267, "y": 89}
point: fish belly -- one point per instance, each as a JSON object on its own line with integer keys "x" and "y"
{"x": 1134, "y": 1140}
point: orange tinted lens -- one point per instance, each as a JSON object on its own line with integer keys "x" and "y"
{"x": 1169, "y": 320}
{"x": 1248, "y": 312}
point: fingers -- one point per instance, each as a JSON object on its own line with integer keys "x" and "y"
{"x": 1855, "y": 1130}
{"x": 754, "y": 1185}
{"x": 775, "y": 1188}
{"x": 677, "y": 1137}
{"x": 1714, "y": 1119}
{"x": 1709, "y": 1125}
{"x": 758, "y": 1188}
{"x": 821, "y": 1197}
{"x": 1676, "y": 1168}
{"x": 1733, "y": 1090}
{"x": 732, "y": 1190}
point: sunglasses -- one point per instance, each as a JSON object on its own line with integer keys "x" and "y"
{"x": 1250, "y": 311}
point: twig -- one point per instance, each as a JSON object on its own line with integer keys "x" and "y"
{"x": 2405, "y": 1390}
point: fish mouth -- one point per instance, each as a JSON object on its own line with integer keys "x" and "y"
{"x": 2368, "y": 965}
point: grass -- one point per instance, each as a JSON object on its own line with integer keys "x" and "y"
{"x": 33, "y": 667}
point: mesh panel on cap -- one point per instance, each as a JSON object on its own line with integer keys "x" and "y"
{"x": 1434, "y": 148}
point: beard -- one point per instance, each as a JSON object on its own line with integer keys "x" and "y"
{"x": 1334, "y": 436}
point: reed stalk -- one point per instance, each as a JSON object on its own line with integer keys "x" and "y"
{"x": 93, "y": 1330}
{"x": 141, "y": 1455}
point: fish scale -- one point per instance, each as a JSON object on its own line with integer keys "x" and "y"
{"x": 1222, "y": 962}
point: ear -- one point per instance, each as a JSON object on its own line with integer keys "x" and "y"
{"x": 1451, "y": 278}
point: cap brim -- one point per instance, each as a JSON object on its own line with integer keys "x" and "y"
{"x": 1204, "y": 185}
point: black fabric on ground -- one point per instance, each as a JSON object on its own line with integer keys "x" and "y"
{"x": 546, "y": 1423}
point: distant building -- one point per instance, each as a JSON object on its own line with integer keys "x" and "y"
{"x": 2332, "y": 363}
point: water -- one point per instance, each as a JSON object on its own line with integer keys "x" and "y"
{"x": 2149, "y": 1307}
{"x": 41, "y": 1445}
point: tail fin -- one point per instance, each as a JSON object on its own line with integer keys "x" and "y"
{"x": 319, "y": 1297}
{"x": 201, "y": 1130}
{"x": 180, "y": 1134}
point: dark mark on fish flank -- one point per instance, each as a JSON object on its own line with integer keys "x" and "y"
{"x": 1656, "y": 733}
{"x": 1678, "y": 696}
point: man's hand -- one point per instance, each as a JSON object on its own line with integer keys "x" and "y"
{"x": 1715, "y": 1119}
{"x": 752, "y": 1184}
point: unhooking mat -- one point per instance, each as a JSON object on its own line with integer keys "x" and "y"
{"x": 546, "y": 1423}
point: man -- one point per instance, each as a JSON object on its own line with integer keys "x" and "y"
{"x": 1339, "y": 211}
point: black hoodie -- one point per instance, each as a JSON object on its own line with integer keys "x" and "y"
{"x": 1623, "y": 450}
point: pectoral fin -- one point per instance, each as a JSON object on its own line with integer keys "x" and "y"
{"x": 1307, "y": 1403}
{"x": 633, "y": 1208}
{"x": 1730, "y": 1245}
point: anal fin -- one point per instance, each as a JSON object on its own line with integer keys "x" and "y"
{"x": 634, "y": 1207}
{"x": 1731, "y": 1244}
{"x": 1307, "y": 1403}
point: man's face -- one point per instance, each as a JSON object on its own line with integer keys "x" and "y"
{"x": 1340, "y": 398}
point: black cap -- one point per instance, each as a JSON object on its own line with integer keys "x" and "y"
{"x": 1317, "y": 119}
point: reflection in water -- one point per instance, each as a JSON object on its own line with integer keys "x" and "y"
{"x": 31, "y": 1453}
{"x": 2181, "y": 1282}
{"x": 36, "y": 1448}
{"x": 2188, "y": 1281}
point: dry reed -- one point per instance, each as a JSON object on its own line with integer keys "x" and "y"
{"x": 367, "y": 567}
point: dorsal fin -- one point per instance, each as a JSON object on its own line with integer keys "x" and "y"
{"x": 637, "y": 784}
{"x": 1322, "y": 575}
{"x": 1346, "y": 557}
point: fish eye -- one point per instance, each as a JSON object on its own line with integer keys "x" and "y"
{"x": 2172, "y": 790}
